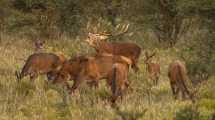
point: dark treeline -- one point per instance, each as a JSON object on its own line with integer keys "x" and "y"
{"x": 170, "y": 21}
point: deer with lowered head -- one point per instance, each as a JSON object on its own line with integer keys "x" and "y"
{"x": 92, "y": 69}
{"x": 178, "y": 76}
{"x": 41, "y": 63}
{"x": 130, "y": 50}
{"x": 153, "y": 68}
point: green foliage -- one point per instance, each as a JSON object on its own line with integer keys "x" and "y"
{"x": 187, "y": 113}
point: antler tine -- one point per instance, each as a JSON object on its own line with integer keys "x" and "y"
{"x": 124, "y": 29}
{"x": 117, "y": 26}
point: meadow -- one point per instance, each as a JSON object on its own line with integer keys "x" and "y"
{"x": 39, "y": 100}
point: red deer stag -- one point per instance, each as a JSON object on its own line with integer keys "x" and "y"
{"x": 41, "y": 63}
{"x": 152, "y": 68}
{"x": 178, "y": 76}
{"x": 130, "y": 50}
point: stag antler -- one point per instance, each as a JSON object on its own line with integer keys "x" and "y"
{"x": 95, "y": 37}
{"x": 120, "y": 30}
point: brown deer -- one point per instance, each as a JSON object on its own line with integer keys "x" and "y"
{"x": 153, "y": 68}
{"x": 119, "y": 80}
{"x": 178, "y": 76}
{"x": 130, "y": 50}
{"x": 40, "y": 63}
{"x": 70, "y": 70}
{"x": 90, "y": 69}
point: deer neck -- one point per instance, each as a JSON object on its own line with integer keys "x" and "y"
{"x": 98, "y": 45}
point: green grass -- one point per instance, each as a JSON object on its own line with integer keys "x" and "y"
{"x": 39, "y": 101}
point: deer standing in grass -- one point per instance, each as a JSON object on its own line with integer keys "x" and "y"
{"x": 130, "y": 50}
{"x": 178, "y": 76}
{"x": 92, "y": 69}
{"x": 118, "y": 80}
{"x": 41, "y": 63}
{"x": 153, "y": 68}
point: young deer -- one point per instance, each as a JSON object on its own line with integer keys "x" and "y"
{"x": 152, "y": 68}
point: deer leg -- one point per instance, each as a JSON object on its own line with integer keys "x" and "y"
{"x": 135, "y": 67}
{"x": 114, "y": 98}
{"x": 67, "y": 86}
{"x": 115, "y": 95}
{"x": 177, "y": 92}
{"x": 75, "y": 85}
{"x": 156, "y": 80}
{"x": 94, "y": 83}
{"x": 183, "y": 95}
{"x": 174, "y": 90}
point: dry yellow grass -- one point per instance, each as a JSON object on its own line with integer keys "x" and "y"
{"x": 39, "y": 101}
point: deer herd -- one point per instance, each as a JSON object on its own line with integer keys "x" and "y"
{"x": 111, "y": 61}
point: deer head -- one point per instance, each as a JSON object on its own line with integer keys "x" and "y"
{"x": 39, "y": 45}
{"x": 148, "y": 57}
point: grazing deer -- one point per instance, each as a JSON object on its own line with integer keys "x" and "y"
{"x": 130, "y": 50}
{"x": 152, "y": 68}
{"x": 90, "y": 69}
{"x": 40, "y": 63}
{"x": 178, "y": 76}
{"x": 70, "y": 70}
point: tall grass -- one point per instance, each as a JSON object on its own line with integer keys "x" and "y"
{"x": 41, "y": 101}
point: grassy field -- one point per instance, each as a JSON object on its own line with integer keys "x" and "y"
{"x": 42, "y": 101}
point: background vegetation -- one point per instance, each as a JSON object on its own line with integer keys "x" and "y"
{"x": 176, "y": 29}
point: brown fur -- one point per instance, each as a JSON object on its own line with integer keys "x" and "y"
{"x": 119, "y": 80}
{"x": 178, "y": 76}
{"x": 152, "y": 68}
{"x": 130, "y": 50}
{"x": 90, "y": 69}
{"x": 70, "y": 70}
{"x": 40, "y": 63}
